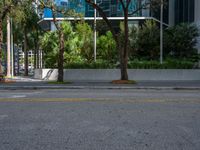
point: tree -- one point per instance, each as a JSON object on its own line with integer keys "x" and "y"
{"x": 5, "y": 8}
{"x": 33, "y": 36}
{"x": 72, "y": 46}
{"x": 21, "y": 12}
{"x": 28, "y": 20}
{"x": 65, "y": 12}
{"x": 123, "y": 47}
{"x": 51, "y": 5}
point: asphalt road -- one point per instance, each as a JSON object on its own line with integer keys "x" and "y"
{"x": 115, "y": 94}
{"x": 100, "y": 120}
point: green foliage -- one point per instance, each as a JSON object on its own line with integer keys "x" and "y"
{"x": 180, "y": 40}
{"x": 50, "y": 46}
{"x": 7, "y": 6}
{"x": 133, "y": 37}
{"x": 135, "y": 64}
{"x": 101, "y": 27}
{"x": 147, "y": 41}
{"x": 106, "y": 47}
{"x": 85, "y": 37}
{"x": 99, "y": 64}
{"x": 72, "y": 51}
{"x": 167, "y": 64}
{"x": 78, "y": 46}
{"x": 25, "y": 17}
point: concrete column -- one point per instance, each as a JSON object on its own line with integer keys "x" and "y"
{"x": 171, "y": 12}
{"x": 197, "y": 19}
{"x": 197, "y": 12}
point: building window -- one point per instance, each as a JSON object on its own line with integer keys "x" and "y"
{"x": 184, "y": 11}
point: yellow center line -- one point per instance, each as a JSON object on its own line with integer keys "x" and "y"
{"x": 96, "y": 100}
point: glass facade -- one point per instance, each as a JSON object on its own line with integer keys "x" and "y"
{"x": 112, "y": 8}
{"x": 184, "y": 11}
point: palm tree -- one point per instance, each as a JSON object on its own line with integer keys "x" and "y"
{"x": 28, "y": 22}
{"x": 5, "y": 7}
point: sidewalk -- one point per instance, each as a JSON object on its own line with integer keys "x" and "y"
{"x": 22, "y": 83}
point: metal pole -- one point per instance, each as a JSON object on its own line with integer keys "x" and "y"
{"x": 18, "y": 60}
{"x": 8, "y": 47}
{"x": 31, "y": 60}
{"x": 95, "y": 33}
{"x": 161, "y": 32}
{"x": 41, "y": 59}
{"x": 12, "y": 49}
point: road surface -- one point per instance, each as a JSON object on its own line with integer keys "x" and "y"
{"x": 100, "y": 119}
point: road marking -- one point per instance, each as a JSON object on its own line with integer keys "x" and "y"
{"x": 98, "y": 100}
{"x": 18, "y": 96}
{"x": 3, "y": 117}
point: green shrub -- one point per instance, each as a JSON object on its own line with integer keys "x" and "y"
{"x": 145, "y": 41}
{"x": 180, "y": 40}
{"x": 50, "y": 46}
{"x": 168, "y": 64}
{"x": 136, "y": 64}
{"x": 106, "y": 47}
{"x": 99, "y": 64}
{"x": 85, "y": 37}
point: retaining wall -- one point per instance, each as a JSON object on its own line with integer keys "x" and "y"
{"x": 114, "y": 74}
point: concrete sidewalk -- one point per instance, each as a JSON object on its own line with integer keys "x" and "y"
{"x": 30, "y": 83}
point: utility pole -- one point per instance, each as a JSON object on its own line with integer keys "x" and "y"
{"x": 95, "y": 32}
{"x": 12, "y": 49}
{"x": 161, "y": 32}
{"x": 8, "y": 47}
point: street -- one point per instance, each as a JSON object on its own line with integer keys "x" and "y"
{"x": 102, "y": 94}
{"x": 99, "y": 119}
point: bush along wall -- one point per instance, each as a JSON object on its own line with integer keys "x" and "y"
{"x": 179, "y": 48}
{"x": 136, "y": 64}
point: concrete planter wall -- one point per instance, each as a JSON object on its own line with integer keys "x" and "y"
{"x": 114, "y": 74}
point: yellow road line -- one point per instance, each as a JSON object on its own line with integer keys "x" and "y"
{"x": 95, "y": 100}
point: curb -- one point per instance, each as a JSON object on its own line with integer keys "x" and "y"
{"x": 96, "y": 87}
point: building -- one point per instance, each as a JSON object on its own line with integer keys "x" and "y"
{"x": 112, "y": 8}
{"x": 184, "y": 11}
{"x": 176, "y": 11}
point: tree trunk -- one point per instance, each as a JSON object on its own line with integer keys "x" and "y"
{"x": 25, "y": 53}
{"x": 1, "y": 44}
{"x": 124, "y": 50}
{"x": 61, "y": 57}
